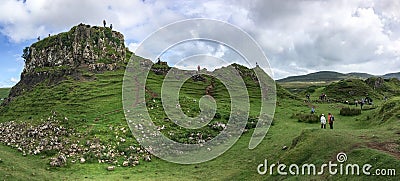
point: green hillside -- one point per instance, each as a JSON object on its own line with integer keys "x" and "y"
{"x": 92, "y": 107}
{"x": 387, "y": 87}
{"x": 350, "y": 89}
{"x": 356, "y": 89}
{"x": 74, "y": 127}
{"x": 4, "y": 93}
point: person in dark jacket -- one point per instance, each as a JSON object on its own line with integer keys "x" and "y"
{"x": 331, "y": 118}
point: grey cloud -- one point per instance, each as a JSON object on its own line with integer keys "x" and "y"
{"x": 297, "y": 36}
{"x": 318, "y": 35}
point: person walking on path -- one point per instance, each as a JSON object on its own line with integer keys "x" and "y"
{"x": 362, "y": 103}
{"x": 331, "y": 118}
{"x": 323, "y": 122}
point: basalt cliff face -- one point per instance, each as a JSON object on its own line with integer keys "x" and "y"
{"x": 67, "y": 55}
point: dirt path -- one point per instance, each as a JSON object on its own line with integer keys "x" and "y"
{"x": 387, "y": 147}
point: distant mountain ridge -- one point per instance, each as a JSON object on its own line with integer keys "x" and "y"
{"x": 329, "y": 76}
{"x": 392, "y": 75}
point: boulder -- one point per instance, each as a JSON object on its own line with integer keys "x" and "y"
{"x": 111, "y": 168}
{"x": 198, "y": 77}
{"x": 82, "y": 160}
{"x": 134, "y": 163}
{"x": 147, "y": 158}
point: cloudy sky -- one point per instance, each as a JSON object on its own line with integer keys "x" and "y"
{"x": 298, "y": 37}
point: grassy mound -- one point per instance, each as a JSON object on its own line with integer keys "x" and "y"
{"x": 283, "y": 93}
{"x": 390, "y": 110}
{"x": 350, "y": 90}
{"x": 346, "y": 111}
{"x": 306, "y": 118}
{"x": 384, "y": 85}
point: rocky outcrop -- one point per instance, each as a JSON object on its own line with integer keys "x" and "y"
{"x": 68, "y": 54}
{"x": 375, "y": 82}
{"x": 80, "y": 47}
{"x": 160, "y": 68}
{"x": 198, "y": 77}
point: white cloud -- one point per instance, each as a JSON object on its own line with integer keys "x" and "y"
{"x": 187, "y": 51}
{"x": 297, "y": 36}
{"x": 324, "y": 35}
{"x": 14, "y": 80}
{"x": 8, "y": 83}
{"x": 132, "y": 46}
{"x": 38, "y": 18}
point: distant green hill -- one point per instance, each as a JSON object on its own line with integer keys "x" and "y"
{"x": 392, "y": 75}
{"x": 330, "y": 76}
{"x": 359, "y": 75}
{"x": 326, "y": 76}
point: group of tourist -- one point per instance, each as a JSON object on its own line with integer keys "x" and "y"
{"x": 323, "y": 119}
{"x": 330, "y": 120}
{"x": 363, "y": 101}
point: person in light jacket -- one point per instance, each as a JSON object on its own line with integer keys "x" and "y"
{"x": 323, "y": 121}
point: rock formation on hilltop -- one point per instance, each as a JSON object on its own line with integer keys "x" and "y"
{"x": 68, "y": 54}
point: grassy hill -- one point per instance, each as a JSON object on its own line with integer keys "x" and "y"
{"x": 350, "y": 89}
{"x": 360, "y": 75}
{"x": 75, "y": 128}
{"x": 4, "y": 92}
{"x": 93, "y": 109}
{"x": 322, "y": 76}
{"x": 387, "y": 87}
{"x": 356, "y": 89}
